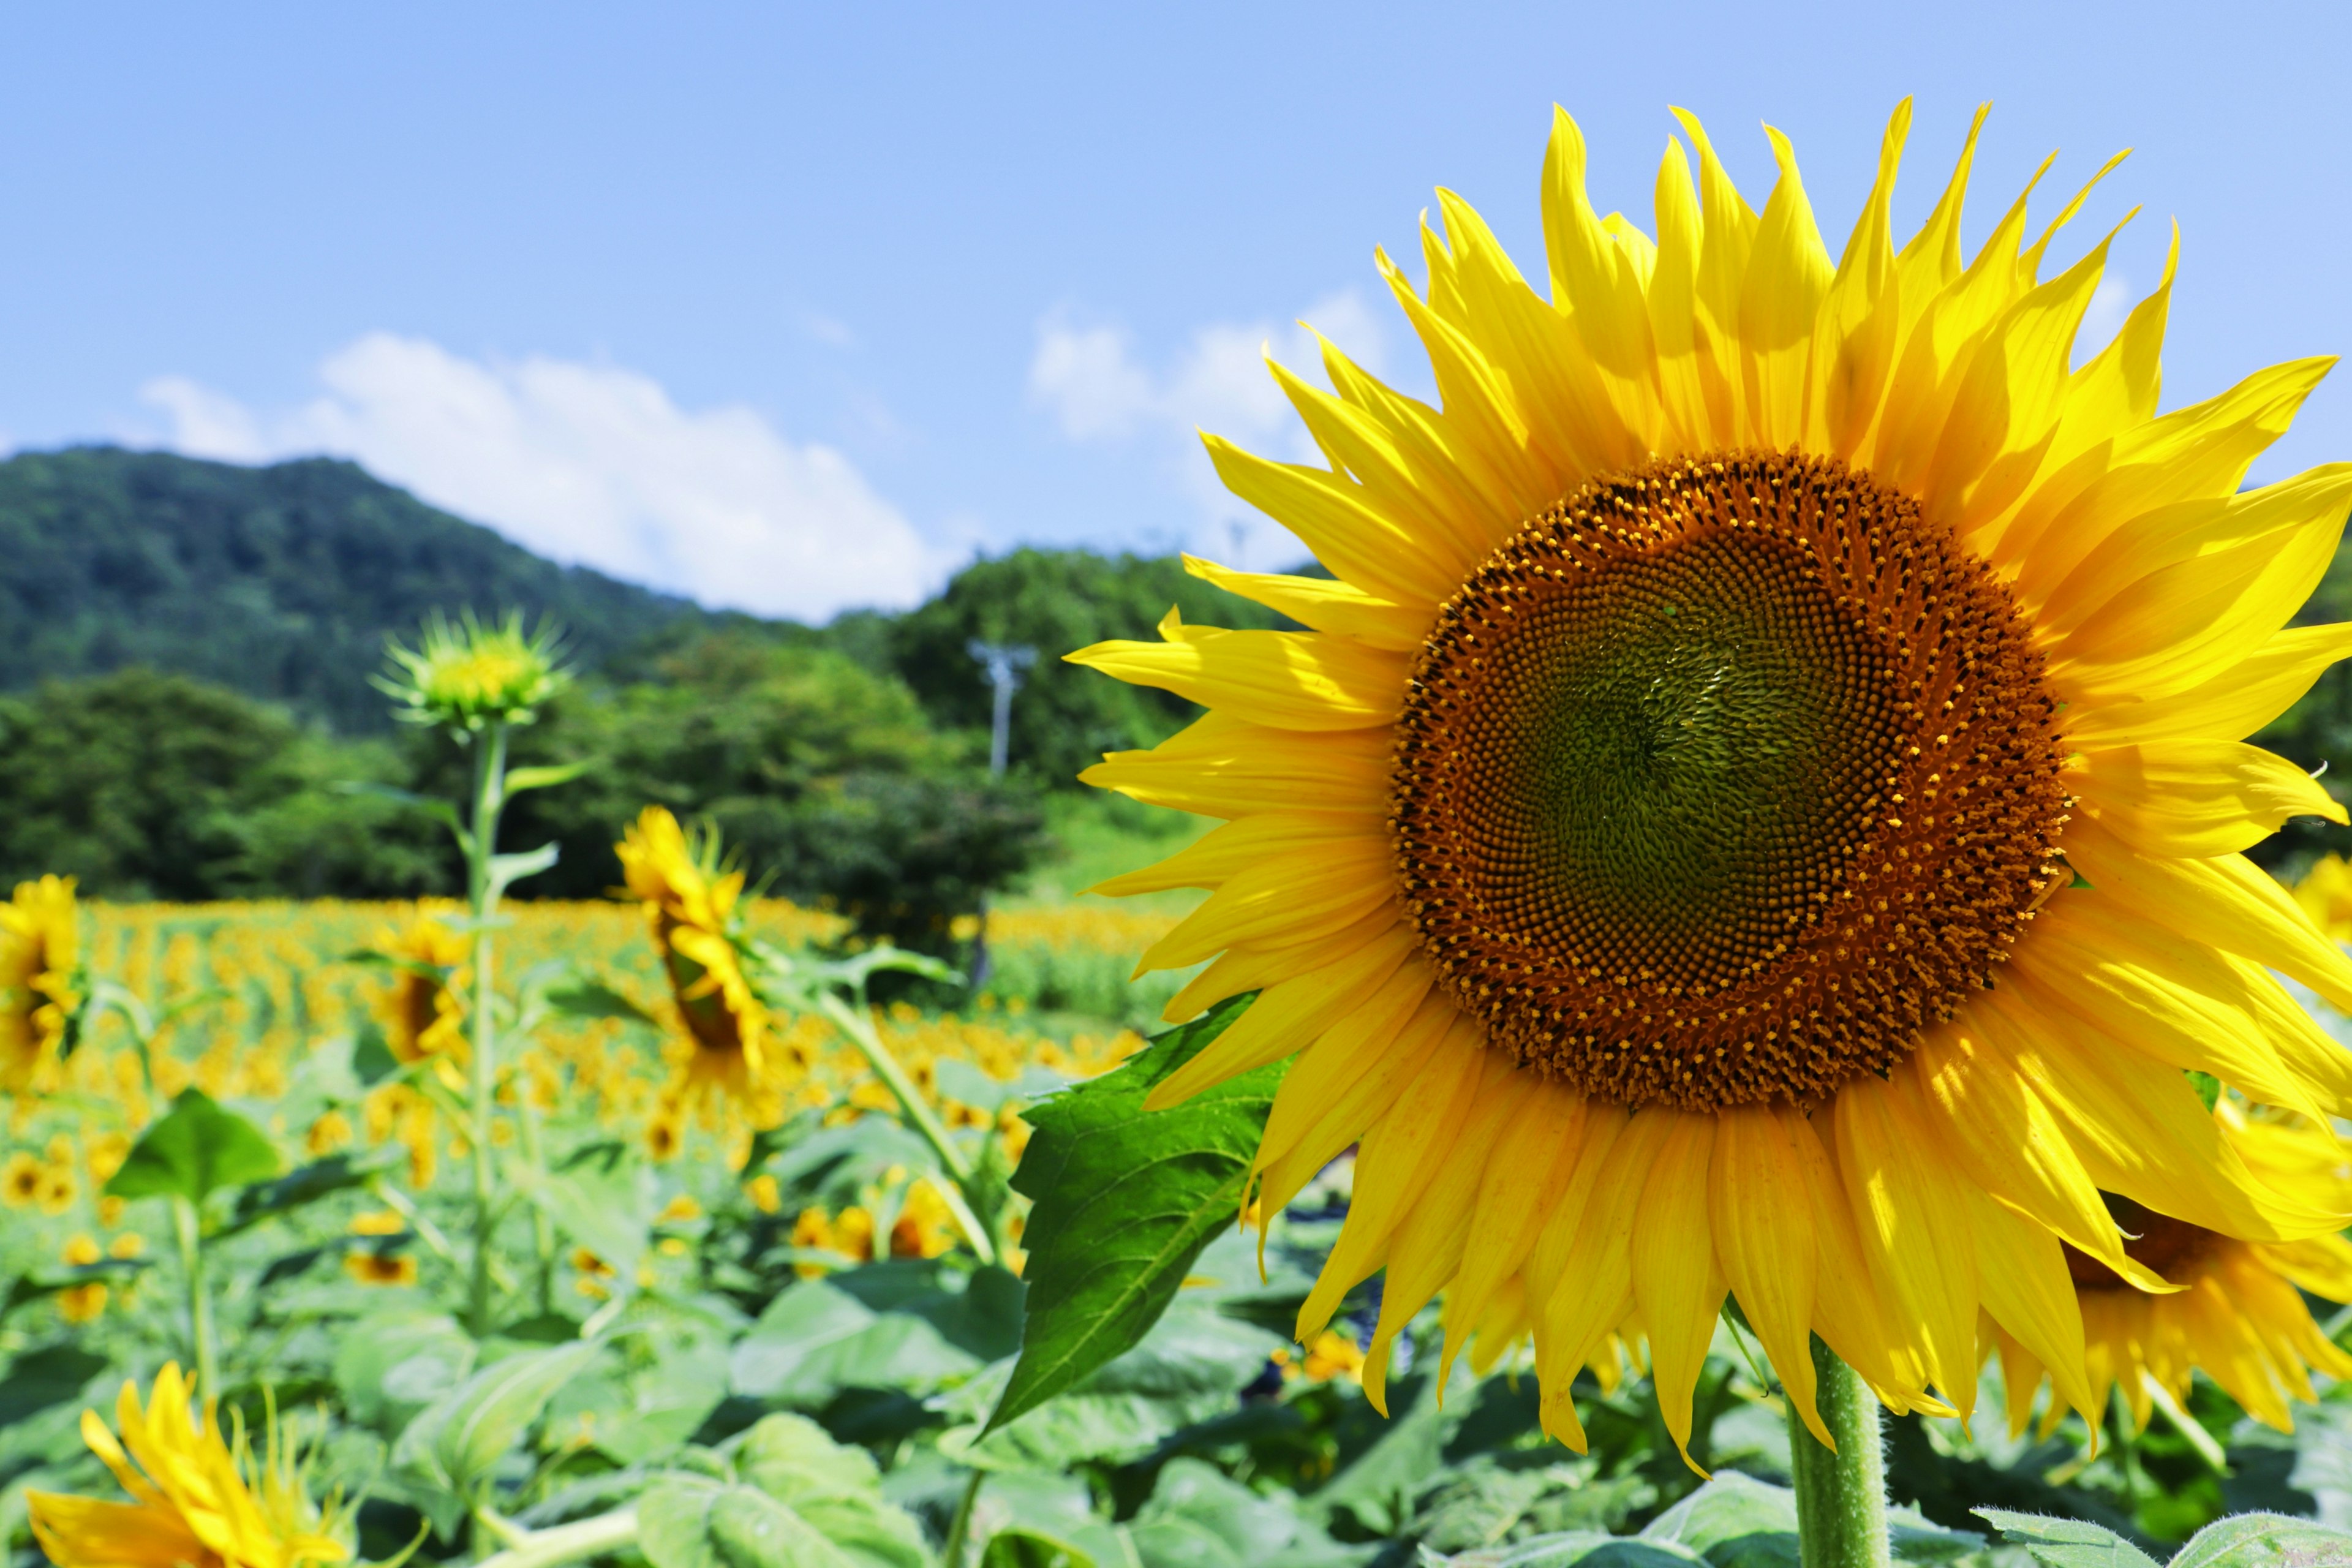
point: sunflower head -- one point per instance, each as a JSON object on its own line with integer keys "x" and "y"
{"x": 423, "y": 1012}
{"x": 40, "y": 982}
{"x": 466, "y": 674}
{"x": 198, "y": 1498}
{"x": 689, "y": 897}
{"x": 1768, "y": 749}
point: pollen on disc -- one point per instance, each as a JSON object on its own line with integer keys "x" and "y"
{"x": 1720, "y": 780}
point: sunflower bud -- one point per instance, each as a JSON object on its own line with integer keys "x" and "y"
{"x": 465, "y": 675}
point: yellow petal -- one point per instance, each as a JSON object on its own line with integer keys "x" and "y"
{"x": 1761, "y": 1215}
{"x": 2022, "y": 1270}
{"x": 1291, "y": 680}
{"x": 1325, "y": 605}
{"x": 1285, "y": 1018}
{"x": 1257, "y": 967}
{"x": 1521, "y": 1183}
{"x": 1908, "y": 1207}
{"x": 1787, "y": 273}
{"x": 1311, "y": 891}
{"x": 1676, "y": 1284}
{"x": 1217, "y": 857}
{"x": 1359, "y": 1052}
{"x": 2229, "y": 706}
{"x": 2195, "y": 799}
{"x": 1221, "y": 766}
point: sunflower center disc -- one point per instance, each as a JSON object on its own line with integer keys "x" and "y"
{"x": 1722, "y": 780}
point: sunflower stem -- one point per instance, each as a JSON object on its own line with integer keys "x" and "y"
{"x": 1841, "y": 1494}
{"x": 591, "y": 1536}
{"x": 189, "y": 1234}
{"x": 966, "y": 1202}
{"x": 489, "y": 799}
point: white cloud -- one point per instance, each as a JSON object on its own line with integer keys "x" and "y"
{"x": 590, "y": 463}
{"x": 1094, "y": 382}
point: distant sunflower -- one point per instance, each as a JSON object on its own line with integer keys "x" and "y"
{"x": 690, "y": 903}
{"x": 424, "y": 1014}
{"x": 1757, "y": 809}
{"x": 2239, "y": 1317}
{"x": 38, "y": 994}
{"x": 199, "y": 1498}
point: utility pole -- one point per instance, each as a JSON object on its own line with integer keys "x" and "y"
{"x": 1003, "y": 662}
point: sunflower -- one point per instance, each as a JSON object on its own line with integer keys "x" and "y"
{"x": 2238, "y": 1315}
{"x": 467, "y": 676}
{"x": 38, "y": 993}
{"x": 690, "y": 903}
{"x": 423, "y": 1013}
{"x": 1757, "y": 809}
{"x": 201, "y": 1501}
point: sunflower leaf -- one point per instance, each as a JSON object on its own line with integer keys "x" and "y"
{"x": 196, "y": 1149}
{"x": 1125, "y": 1202}
{"x": 2065, "y": 1543}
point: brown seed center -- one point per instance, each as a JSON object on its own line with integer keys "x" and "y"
{"x": 1721, "y": 780}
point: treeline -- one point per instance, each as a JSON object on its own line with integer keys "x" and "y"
{"x": 847, "y": 764}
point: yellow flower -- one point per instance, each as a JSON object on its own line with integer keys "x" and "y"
{"x": 127, "y": 1245}
{"x": 379, "y": 1222}
{"x": 82, "y": 1303}
{"x": 2238, "y": 1314}
{"x": 329, "y": 1132}
{"x": 925, "y": 1228}
{"x": 423, "y": 1013}
{"x": 689, "y": 908}
{"x": 1333, "y": 1355}
{"x": 21, "y": 1180}
{"x": 680, "y": 1210}
{"x": 467, "y": 676}
{"x": 1755, "y": 658}
{"x": 199, "y": 1500}
{"x": 381, "y": 1268}
{"x": 81, "y": 1249}
{"x": 765, "y": 1195}
{"x": 2326, "y": 894}
{"x": 38, "y": 955}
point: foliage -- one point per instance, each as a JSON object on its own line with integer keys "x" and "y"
{"x": 147, "y": 785}
{"x": 281, "y": 582}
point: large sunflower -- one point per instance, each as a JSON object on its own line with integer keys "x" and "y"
{"x": 2239, "y": 1316}
{"x": 1758, "y": 807}
{"x": 199, "y": 1498}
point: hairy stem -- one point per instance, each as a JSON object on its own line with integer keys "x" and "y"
{"x": 960, "y": 1528}
{"x": 1841, "y": 1494}
{"x": 190, "y": 1236}
{"x": 568, "y": 1543}
{"x": 966, "y": 1201}
{"x": 489, "y": 799}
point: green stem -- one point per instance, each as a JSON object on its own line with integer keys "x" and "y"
{"x": 569, "y": 1542}
{"x": 966, "y": 1201}
{"x": 951, "y": 1553}
{"x": 1841, "y": 1495}
{"x": 542, "y": 1230}
{"x": 186, "y": 1230}
{"x": 489, "y": 798}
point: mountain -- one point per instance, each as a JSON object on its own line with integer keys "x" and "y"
{"x": 280, "y": 582}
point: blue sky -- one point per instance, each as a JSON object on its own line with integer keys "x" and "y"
{"x": 796, "y": 309}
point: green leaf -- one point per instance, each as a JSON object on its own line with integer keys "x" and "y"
{"x": 195, "y": 1150}
{"x": 607, "y": 1205}
{"x": 589, "y": 999}
{"x": 371, "y": 1058}
{"x": 393, "y": 1363}
{"x": 2065, "y": 1543}
{"x": 306, "y": 1185}
{"x": 440, "y": 811}
{"x": 2263, "y": 1540}
{"x": 1027, "y": 1548}
{"x": 1125, "y": 1202}
{"x": 506, "y": 870}
{"x": 2208, "y": 1087}
{"x": 46, "y": 1377}
{"x": 459, "y": 1438}
{"x": 835, "y": 1489}
{"x": 542, "y": 776}
{"x": 752, "y": 1529}
{"x": 815, "y": 1339}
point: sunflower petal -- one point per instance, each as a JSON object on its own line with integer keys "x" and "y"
{"x": 2196, "y": 799}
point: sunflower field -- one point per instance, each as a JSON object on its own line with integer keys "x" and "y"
{"x": 1706, "y": 1002}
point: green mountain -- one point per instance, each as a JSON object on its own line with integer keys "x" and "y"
{"x": 280, "y": 582}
